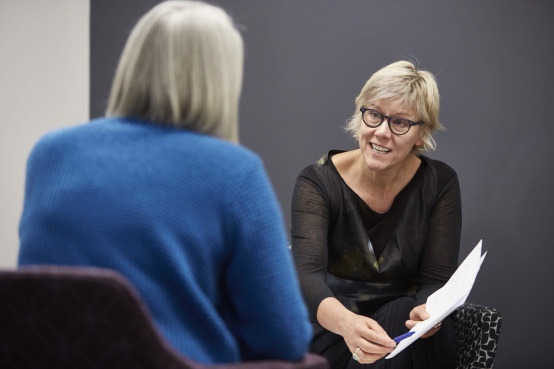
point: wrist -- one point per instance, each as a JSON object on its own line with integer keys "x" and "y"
{"x": 333, "y": 316}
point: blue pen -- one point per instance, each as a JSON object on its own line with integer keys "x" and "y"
{"x": 403, "y": 336}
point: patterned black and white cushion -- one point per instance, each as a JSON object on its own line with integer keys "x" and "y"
{"x": 478, "y": 332}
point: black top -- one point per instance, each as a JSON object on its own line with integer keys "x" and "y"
{"x": 343, "y": 248}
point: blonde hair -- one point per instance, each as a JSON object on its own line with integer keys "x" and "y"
{"x": 182, "y": 65}
{"x": 405, "y": 85}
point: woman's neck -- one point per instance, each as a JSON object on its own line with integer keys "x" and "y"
{"x": 386, "y": 179}
{"x": 377, "y": 188}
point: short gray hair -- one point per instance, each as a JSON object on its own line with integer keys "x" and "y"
{"x": 404, "y": 84}
{"x": 182, "y": 65}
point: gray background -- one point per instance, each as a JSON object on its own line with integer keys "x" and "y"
{"x": 307, "y": 60}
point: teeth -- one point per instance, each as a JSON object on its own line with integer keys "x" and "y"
{"x": 379, "y": 149}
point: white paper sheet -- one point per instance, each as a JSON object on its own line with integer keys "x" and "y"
{"x": 447, "y": 299}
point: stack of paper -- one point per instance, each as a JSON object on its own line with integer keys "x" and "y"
{"x": 447, "y": 299}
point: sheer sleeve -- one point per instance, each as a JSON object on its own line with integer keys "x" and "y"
{"x": 310, "y": 224}
{"x": 440, "y": 257}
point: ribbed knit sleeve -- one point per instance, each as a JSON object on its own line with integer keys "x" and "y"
{"x": 271, "y": 319}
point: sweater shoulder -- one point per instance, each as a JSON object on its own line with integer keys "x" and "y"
{"x": 142, "y": 138}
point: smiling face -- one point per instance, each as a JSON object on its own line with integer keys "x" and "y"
{"x": 383, "y": 149}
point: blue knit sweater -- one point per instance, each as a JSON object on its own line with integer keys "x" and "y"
{"x": 192, "y": 221}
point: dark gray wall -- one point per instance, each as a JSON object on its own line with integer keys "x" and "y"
{"x": 307, "y": 60}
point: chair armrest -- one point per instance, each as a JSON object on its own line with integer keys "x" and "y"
{"x": 478, "y": 332}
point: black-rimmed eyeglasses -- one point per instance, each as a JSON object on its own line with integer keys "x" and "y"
{"x": 397, "y": 125}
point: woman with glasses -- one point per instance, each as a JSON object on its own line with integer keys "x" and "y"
{"x": 376, "y": 230}
{"x": 161, "y": 191}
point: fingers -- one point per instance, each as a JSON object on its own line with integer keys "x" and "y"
{"x": 412, "y": 323}
{"x": 419, "y": 313}
{"x": 364, "y": 357}
{"x": 374, "y": 347}
{"x": 369, "y": 335}
{"x": 432, "y": 331}
{"x": 368, "y": 341}
{"x": 375, "y": 327}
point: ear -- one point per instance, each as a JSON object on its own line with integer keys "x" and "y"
{"x": 419, "y": 141}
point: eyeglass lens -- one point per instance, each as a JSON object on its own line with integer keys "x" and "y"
{"x": 397, "y": 125}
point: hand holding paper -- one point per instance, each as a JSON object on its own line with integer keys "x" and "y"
{"x": 447, "y": 299}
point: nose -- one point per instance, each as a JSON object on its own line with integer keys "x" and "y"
{"x": 383, "y": 130}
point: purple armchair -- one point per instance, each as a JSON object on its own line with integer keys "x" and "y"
{"x": 62, "y": 317}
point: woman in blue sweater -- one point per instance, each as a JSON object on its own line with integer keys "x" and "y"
{"x": 161, "y": 191}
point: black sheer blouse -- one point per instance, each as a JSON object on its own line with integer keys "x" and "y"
{"x": 342, "y": 248}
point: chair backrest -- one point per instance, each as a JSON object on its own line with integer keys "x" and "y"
{"x": 67, "y": 317}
